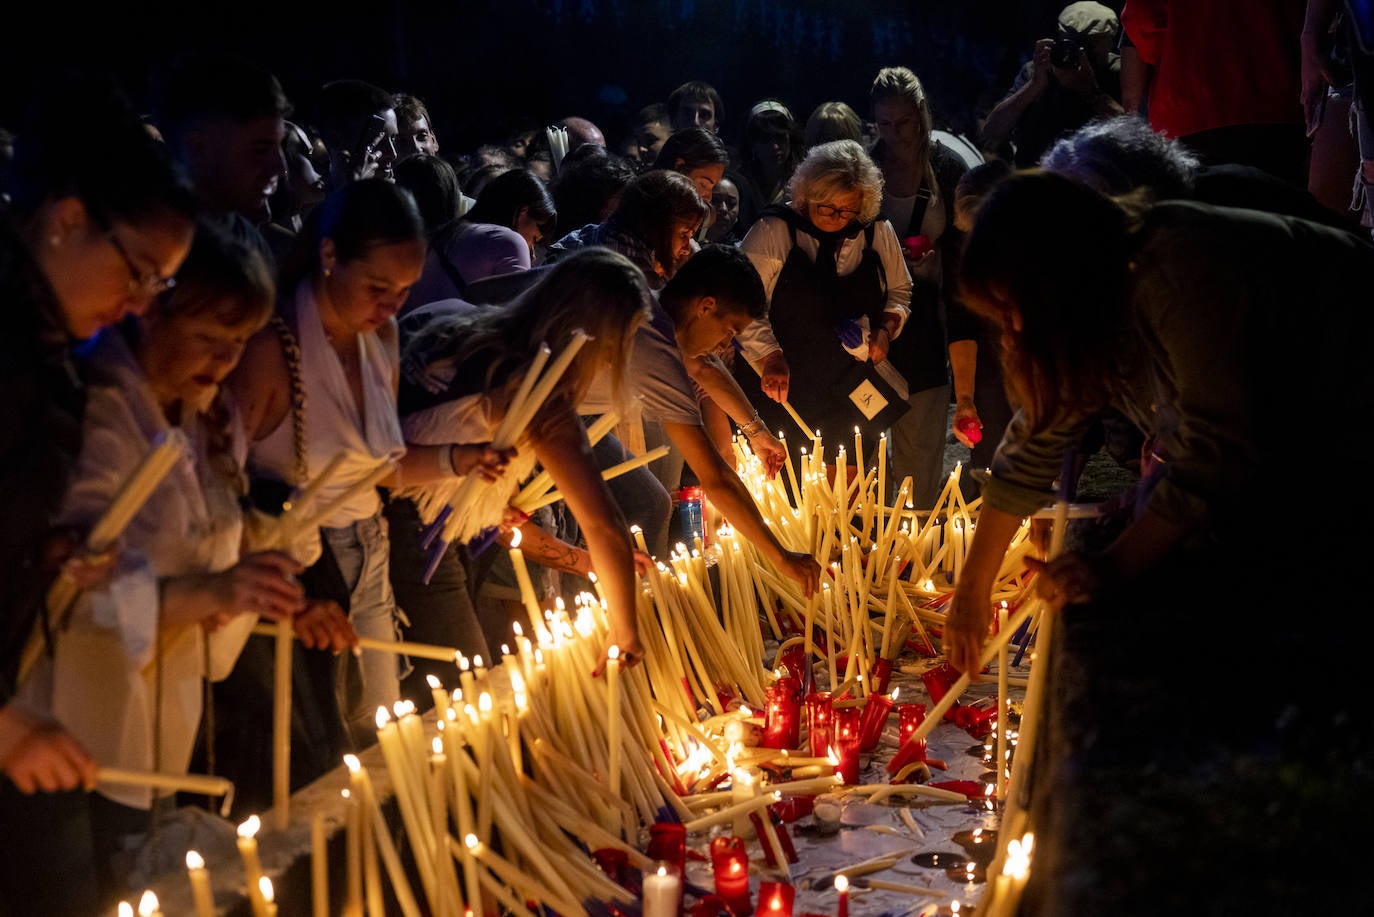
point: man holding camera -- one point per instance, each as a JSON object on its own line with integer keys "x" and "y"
{"x": 1069, "y": 80}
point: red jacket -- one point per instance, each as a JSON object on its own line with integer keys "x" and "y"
{"x": 1218, "y": 63}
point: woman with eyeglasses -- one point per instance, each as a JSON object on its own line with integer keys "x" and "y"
{"x": 837, "y": 289}
{"x": 85, "y": 240}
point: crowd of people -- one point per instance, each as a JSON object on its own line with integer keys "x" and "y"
{"x": 322, "y": 301}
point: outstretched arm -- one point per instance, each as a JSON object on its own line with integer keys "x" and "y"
{"x": 563, "y": 450}
{"x": 732, "y": 498}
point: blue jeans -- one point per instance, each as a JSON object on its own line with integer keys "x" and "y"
{"x": 363, "y": 683}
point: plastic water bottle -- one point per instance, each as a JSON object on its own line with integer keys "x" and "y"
{"x": 689, "y": 516}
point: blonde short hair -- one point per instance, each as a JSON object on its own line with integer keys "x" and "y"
{"x": 840, "y": 165}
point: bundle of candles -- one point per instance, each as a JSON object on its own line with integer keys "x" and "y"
{"x": 536, "y": 782}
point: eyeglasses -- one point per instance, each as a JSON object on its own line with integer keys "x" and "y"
{"x": 826, "y": 210}
{"x": 140, "y": 283}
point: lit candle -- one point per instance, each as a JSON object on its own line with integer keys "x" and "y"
{"x": 842, "y": 886}
{"x": 1003, "y": 661}
{"x": 125, "y": 909}
{"x": 782, "y": 727}
{"x": 613, "y": 716}
{"x": 148, "y": 906}
{"x": 200, "y": 884}
{"x": 846, "y": 738}
{"x": 818, "y": 722}
{"x": 269, "y": 898}
{"x": 252, "y": 869}
{"x": 775, "y": 899}
{"x": 522, "y": 576}
{"x": 353, "y": 852}
{"x": 730, "y": 866}
{"x": 662, "y": 891}
{"x": 743, "y": 788}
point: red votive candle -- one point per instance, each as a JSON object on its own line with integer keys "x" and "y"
{"x": 730, "y": 865}
{"x": 782, "y": 721}
{"x": 880, "y": 674}
{"x": 668, "y": 842}
{"x": 818, "y": 723}
{"x": 875, "y": 711}
{"x": 846, "y": 736}
{"x": 775, "y": 899}
{"x": 909, "y": 716}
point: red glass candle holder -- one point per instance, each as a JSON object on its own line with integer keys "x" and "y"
{"x": 782, "y": 723}
{"x": 938, "y": 681}
{"x": 668, "y": 842}
{"x": 875, "y": 712}
{"x": 818, "y": 712}
{"x": 879, "y": 675}
{"x": 730, "y": 866}
{"x": 909, "y": 716}
{"x": 846, "y": 737}
{"x": 776, "y": 899}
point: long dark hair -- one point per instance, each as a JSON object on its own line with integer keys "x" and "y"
{"x": 695, "y": 146}
{"x": 501, "y": 198}
{"x": 359, "y": 216}
{"x": 1060, "y": 253}
{"x": 652, "y": 205}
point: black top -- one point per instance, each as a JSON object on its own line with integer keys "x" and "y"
{"x": 41, "y": 404}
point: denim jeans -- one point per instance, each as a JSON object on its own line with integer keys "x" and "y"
{"x": 363, "y": 683}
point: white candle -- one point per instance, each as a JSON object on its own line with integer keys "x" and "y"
{"x": 252, "y": 869}
{"x": 200, "y": 884}
{"x": 1003, "y": 660}
{"x": 743, "y": 788}
{"x": 353, "y": 851}
{"x": 613, "y": 716}
{"x": 662, "y": 891}
{"x": 269, "y": 898}
{"x": 281, "y": 728}
{"x": 148, "y": 906}
{"x": 522, "y": 576}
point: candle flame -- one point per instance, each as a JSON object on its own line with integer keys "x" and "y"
{"x": 382, "y": 717}
{"x": 1018, "y": 857}
{"x": 484, "y": 703}
{"x": 403, "y": 708}
{"x": 353, "y": 764}
{"x": 662, "y": 871}
{"x": 613, "y": 653}
{"x": 147, "y": 905}
{"x": 515, "y": 537}
{"x": 477, "y": 662}
{"x": 434, "y": 683}
{"x": 472, "y": 842}
{"x": 250, "y": 827}
{"x": 895, "y": 692}
{"x": 519, "y": 631}
{"x": 194, "y": 860}
{"x": 265, "y": 887}
{"x": 463, "y": 662}
{"x": 345, "y": 794}
{"x": 438, "y": 745}
{"x": 126, "y": 909}
{"x": 841, "y": 883}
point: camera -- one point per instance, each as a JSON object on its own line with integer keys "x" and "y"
{"x": 1064, "y": 54}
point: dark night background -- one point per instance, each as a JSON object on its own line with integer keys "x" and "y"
{"x": 481, "y": 64}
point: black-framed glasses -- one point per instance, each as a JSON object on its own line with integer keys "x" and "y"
{"x": 140, "y": 283}
{"x": 827, "y": 210}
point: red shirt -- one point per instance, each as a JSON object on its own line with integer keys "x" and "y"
{"x": 1218, "y": 63}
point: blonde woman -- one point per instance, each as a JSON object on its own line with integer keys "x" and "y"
{"x": 837, "y": 289}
